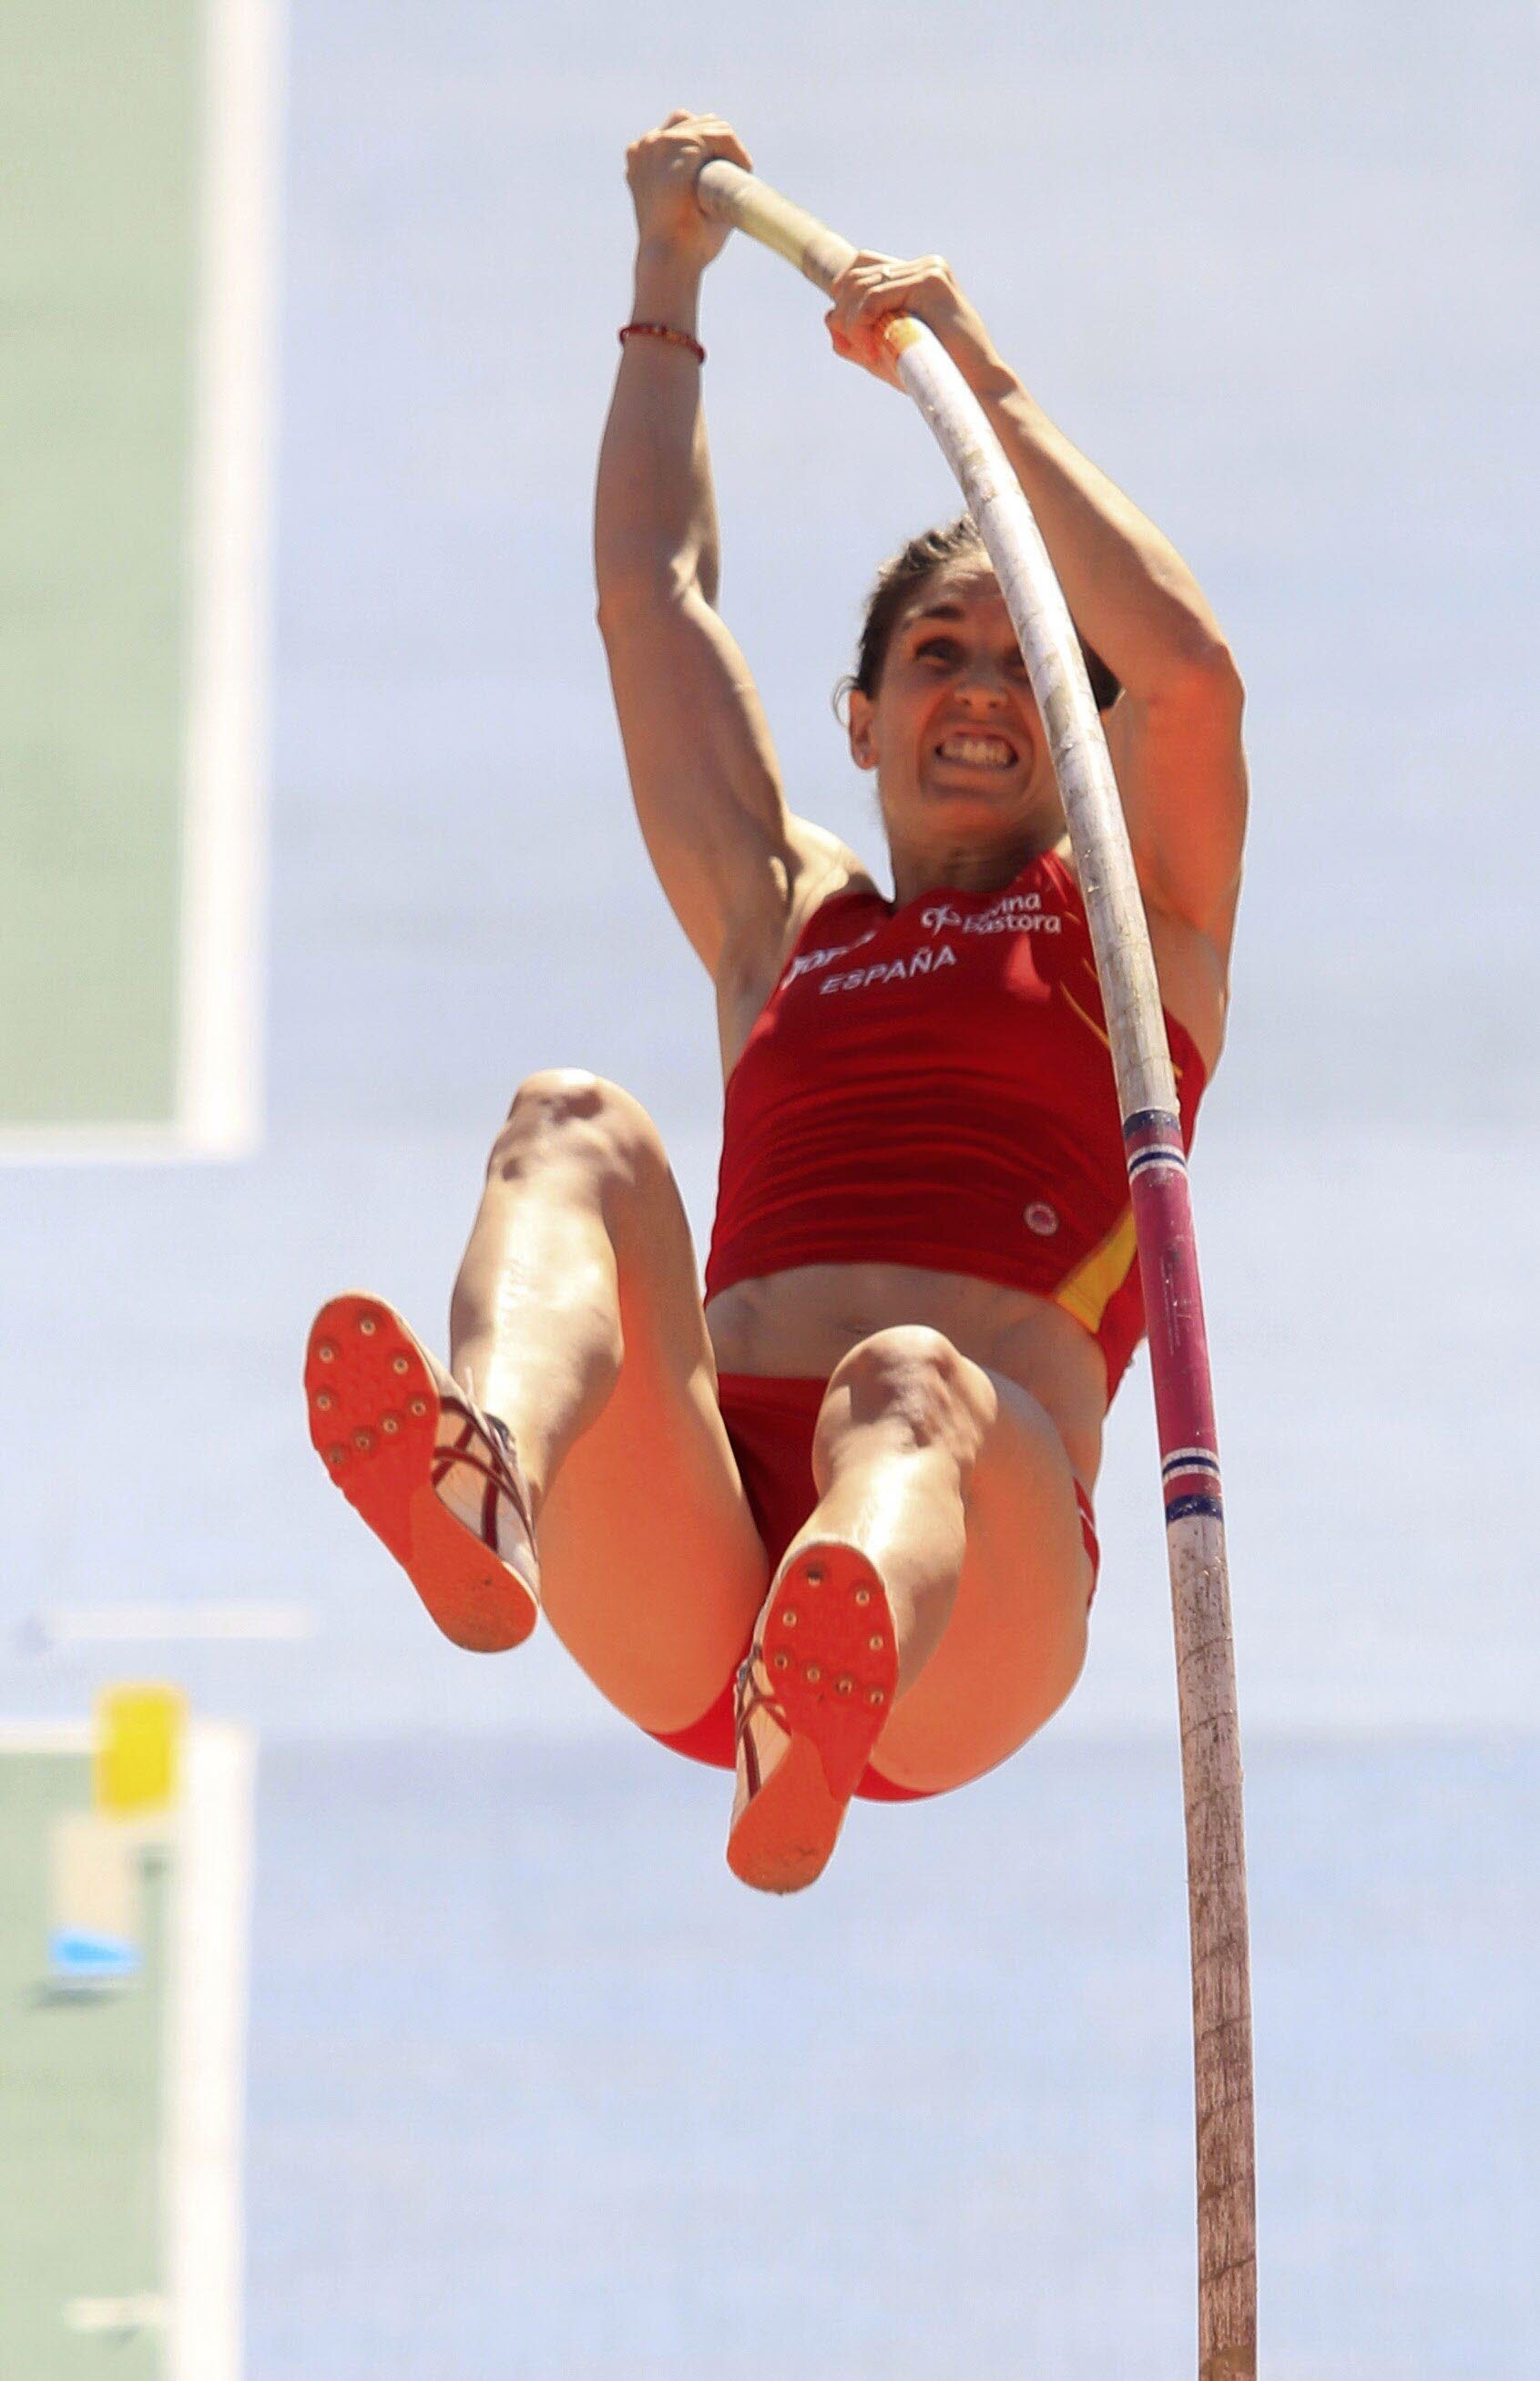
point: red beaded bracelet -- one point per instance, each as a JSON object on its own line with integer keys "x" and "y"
{"x": 662, "y": 331}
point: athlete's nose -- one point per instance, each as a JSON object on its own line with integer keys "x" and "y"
{"x": 981, "y": 690}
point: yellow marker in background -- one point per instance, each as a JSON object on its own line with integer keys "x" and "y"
{"x": 137, "y": 1760}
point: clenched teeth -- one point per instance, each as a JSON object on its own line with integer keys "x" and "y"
{"x": 980, "y": 751}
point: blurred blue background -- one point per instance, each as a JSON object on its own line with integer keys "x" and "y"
{"x": 535, "y": 2089}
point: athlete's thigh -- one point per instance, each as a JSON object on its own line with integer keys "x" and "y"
{"x": 1015, "y": 1643}
{"x": 651, "y": 1568}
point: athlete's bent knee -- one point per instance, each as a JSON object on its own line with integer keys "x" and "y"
{"x": 564, "y": 1095}
{"x": 582, "y": 1115}
{"x": 912, "y": 1375}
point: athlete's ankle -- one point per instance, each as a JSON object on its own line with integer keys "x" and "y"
{"x": 530, "y": 1475}
{"x": 498, "y": 1410}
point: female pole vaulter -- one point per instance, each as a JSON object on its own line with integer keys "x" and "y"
{"x": 834, "y": 1524}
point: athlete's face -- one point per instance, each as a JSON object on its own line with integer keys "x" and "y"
{"x": 952, "y": 732}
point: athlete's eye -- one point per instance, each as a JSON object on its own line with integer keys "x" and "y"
{"x": 943, "y": 648}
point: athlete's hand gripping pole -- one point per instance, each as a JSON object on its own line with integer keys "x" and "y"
{"x": 1157, "y": 1185}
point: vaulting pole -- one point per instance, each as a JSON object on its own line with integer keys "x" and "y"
{"x": 1169, "y": 1264}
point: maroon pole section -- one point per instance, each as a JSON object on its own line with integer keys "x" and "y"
{"x": 1173, "y": 1295}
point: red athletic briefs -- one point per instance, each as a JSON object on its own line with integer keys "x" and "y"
{"x": 771, "y": 1423}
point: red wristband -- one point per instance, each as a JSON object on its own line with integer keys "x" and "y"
{"x": 662, "y": 331}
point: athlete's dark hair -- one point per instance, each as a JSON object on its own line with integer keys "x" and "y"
{"x": 904, "y": 573}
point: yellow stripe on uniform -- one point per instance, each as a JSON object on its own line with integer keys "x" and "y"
{"x": 1086, "y": 1292}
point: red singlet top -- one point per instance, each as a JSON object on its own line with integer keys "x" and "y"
{"x": 932, "y": 1085}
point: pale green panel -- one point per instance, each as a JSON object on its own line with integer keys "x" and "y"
{"x": 98, "y": 107}
{"x": 81, "y": 2089}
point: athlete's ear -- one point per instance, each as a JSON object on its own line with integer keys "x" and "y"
{"x": 863, "y": 749}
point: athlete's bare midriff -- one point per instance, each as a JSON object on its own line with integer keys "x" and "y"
{"x": 801, "y": 1324}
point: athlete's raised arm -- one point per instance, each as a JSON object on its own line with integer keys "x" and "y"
{"x": 702, "y": 762}
{"x": 1175, "y": 730}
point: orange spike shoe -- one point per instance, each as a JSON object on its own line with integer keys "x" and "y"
{"x": 813, "y": 1696}
{"x": 435, "y": 1479}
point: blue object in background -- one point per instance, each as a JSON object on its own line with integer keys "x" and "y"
{"x": 75, "y": 1957}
